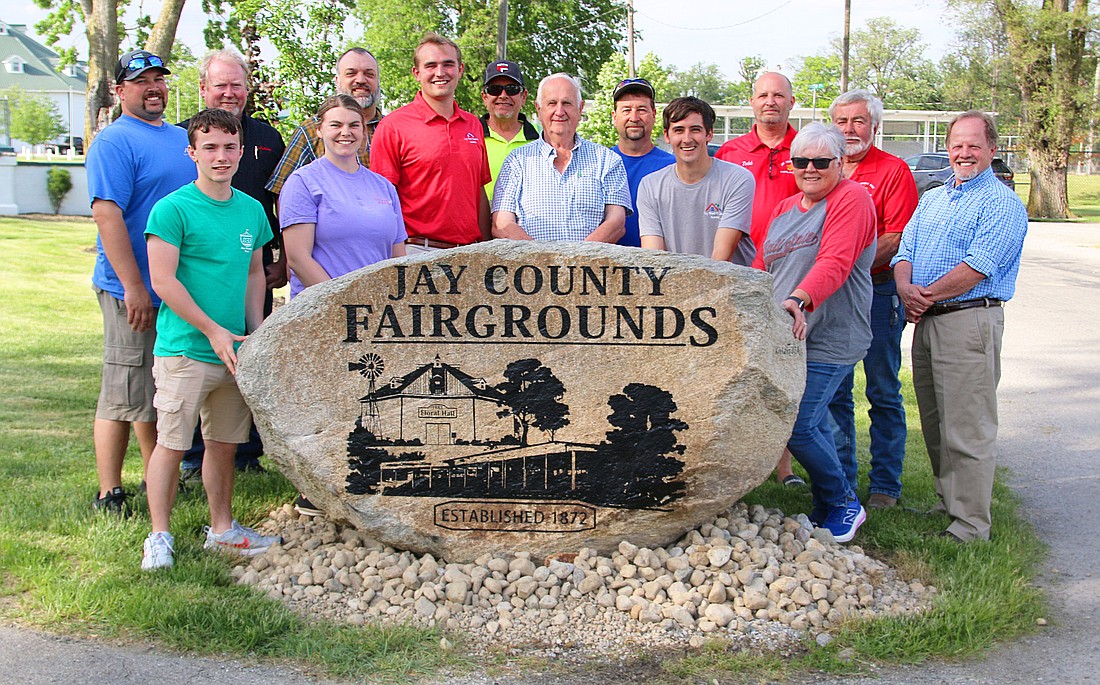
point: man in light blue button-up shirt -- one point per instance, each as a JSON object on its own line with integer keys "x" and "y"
{"x": 561, "y": 187}
{"x": 955, "y": 267}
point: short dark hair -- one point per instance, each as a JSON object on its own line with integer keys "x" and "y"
{"x": 339, "y": 100}
{"x": 990, "y": 125}
{"x": 681, "y": 108}
{"x": 213, "y": 118}
{"x": 435, "y": 39}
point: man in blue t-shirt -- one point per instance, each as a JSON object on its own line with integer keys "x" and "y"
{"x": 131, "y": 164}
{"x": 634, "y": 117}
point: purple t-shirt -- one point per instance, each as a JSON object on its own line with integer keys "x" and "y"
{"x": 357, "y": 216}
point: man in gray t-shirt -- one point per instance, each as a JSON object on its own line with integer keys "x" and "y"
{"x": 699, "y": 205}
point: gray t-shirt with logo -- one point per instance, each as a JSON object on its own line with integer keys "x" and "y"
{"x": 688, "y": 215}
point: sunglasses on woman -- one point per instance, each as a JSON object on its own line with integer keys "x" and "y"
{"x": 818, "y": 162}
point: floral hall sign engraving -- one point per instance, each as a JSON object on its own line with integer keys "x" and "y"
{"x": 527, "y": 397}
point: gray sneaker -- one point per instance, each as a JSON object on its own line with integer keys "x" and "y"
{"x": 157, "y": 551}
{"x": 240, "y": 540}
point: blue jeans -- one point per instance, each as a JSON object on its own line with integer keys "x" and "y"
{"x": 812, "y": 442}
{"x": 887, "y": 410}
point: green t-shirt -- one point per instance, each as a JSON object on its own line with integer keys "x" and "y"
{"x": 216, "y": 240}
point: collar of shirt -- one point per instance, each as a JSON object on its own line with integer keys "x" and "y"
{"x": 975, "y": 184}
{"x": 427, "y": 113}
{"x": 784, "y": 144}
{"x": 547, "y": 150}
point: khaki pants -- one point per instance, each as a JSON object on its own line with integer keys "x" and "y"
{"x": 956, "y": 369}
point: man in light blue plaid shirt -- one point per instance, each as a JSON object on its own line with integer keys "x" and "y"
{"x": 955, "y": 267}
{"x": 561, "y": 187}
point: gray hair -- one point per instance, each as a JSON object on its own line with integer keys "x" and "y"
{"x": 562, "y": 75}
{"x": 852, "y": 97}
{"x": 817, "y": 135}
{"x": 224, "y": 55}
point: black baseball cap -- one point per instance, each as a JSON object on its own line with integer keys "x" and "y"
{"x": 137, "y": 62}
{"x": 503, "y": 68}
{"x": 637, "y": 86}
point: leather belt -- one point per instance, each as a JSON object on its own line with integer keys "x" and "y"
{"x": 945, "y": 307}
{"x": 884, "y": 277}
{"x": 428, "y": 242}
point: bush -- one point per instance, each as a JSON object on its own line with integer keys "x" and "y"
{"x": 58, "y": 184}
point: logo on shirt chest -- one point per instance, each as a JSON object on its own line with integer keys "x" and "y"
{"x": 247, "y": 241}
{"x": 471, "y": 138}
{"x": 713, "y": 211}
{"x": 747, "y": 162}
{"x": 868, "y": 186}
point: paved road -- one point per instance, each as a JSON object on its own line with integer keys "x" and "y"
{"x": 1050, "y": 439}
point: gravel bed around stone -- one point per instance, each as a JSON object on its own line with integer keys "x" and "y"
{"x": 752, "y": 577}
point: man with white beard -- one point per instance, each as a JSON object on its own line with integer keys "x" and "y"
{"x": 858, "y": 114}
{"x": 357, "y": 76}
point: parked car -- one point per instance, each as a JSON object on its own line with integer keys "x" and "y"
{"x": 933, "y": 169}
{"x": 62, "y": 144}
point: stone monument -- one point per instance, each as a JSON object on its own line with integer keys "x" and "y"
{"x": 521, "y": 396}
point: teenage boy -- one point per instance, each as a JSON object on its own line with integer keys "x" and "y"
{"x": 699, "y": 205}
{"x": 205, "y": 261}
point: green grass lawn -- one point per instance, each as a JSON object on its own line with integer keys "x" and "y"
{"x": 65, "y": 569}
{"x": 1084, "y": 195}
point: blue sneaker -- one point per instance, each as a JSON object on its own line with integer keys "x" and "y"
{"x": 845, "y": 520}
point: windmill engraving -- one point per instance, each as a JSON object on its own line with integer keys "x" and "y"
{"x": 370, "y": 366}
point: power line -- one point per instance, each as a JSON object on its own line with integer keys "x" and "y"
{"x": 714, "y": 28}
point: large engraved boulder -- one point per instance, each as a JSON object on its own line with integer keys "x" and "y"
{"x": 519, "y": 396}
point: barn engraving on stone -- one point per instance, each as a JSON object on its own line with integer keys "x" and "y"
{"x": 517, "y": 396}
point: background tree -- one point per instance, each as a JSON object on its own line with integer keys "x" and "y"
{"x": 748, "y": 70}
{"x": 814, "y": 70}
{"x": 889, "y": 61}
{"x": 704, "y": 81}
{"x": 184, "y": 100}
{"x": 34, "y": 118}
{"x": 544, "y": 36}
{"x": 58, "y": 184}
{"x": 100, "y": 19}
{"x": 597, "y": 125}
{"x": 1046, "y": 45}
{"x": 533, "y": 395}
{"x": 976, "y": 72}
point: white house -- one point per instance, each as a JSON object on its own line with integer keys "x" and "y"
{"x": 26, "y": 63}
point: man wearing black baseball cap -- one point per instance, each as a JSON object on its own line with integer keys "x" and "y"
{"x": 634, "y": 117}
{"x": 131, "y": 164}
{"x": 504, "y": 95}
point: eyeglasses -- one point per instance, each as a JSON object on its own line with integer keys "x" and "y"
{"x": 771, "y": 162}
{"x": 818, "y": 162}
{"x": 142, "y": 62}
{"x": 496, "y": 89}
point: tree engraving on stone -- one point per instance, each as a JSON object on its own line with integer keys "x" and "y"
{"x": 432, "y": 445}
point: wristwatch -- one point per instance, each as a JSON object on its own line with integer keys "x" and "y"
{"x": 799, "y": 301}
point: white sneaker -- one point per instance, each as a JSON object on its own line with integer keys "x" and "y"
{"x": 240, "y": 540}
{"x": 157, "y": 551}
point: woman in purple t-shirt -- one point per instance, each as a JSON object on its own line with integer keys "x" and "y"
{"x": 337, "y": 215}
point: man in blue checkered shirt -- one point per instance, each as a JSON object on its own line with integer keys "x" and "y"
{"x": 561, "y": 187}
{"x": 955, "y": 268}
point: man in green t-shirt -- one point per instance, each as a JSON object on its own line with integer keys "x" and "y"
{"x": 205, "y": 263}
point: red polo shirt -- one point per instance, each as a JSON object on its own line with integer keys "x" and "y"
{"x": 772, "y": 170}
{"x": 890, "y": 183}
{"x": 438, "y": 166}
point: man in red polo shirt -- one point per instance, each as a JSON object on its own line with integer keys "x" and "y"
{"x": 858, "y": 114}
{"x": 766, "y": 149}
{"x": 434, "y": 154}
{"x": 766, "y": 152}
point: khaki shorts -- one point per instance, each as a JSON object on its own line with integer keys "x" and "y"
{"x": 188, "y": 390}
{"x": 126, "y": 392}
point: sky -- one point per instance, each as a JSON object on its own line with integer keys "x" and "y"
{"x": 711, "y": 31}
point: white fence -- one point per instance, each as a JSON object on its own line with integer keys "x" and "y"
{"x": 23, "y": 188}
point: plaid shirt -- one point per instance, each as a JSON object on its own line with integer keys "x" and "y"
{"x": 561, "y": 206}
{"x": 306, "y": 146}
{"x": 980, "y": 223}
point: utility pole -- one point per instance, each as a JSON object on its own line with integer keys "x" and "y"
{"x": 846, "y": 42}
{"x": 630, "y": 38}
{"x": 502, "y": 31}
